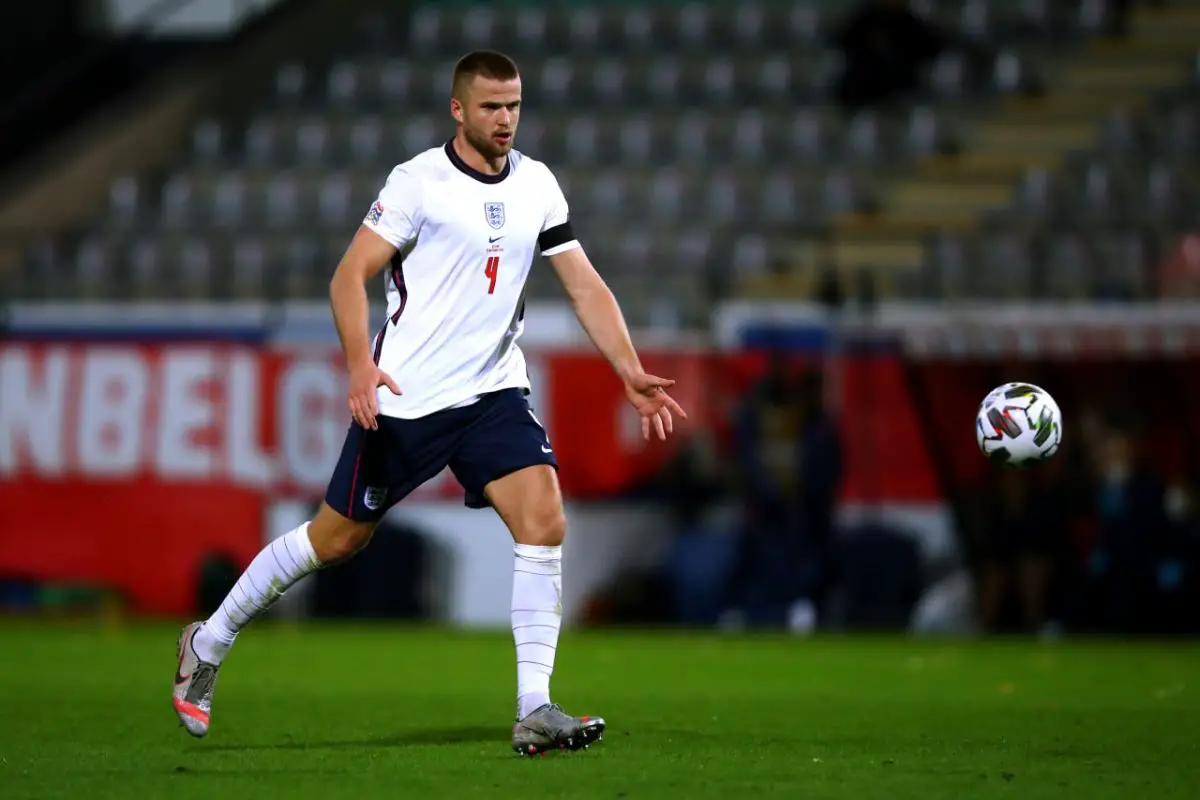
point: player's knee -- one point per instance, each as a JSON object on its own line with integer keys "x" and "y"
{"x": 335, "y": 538}
{"x": 342, "y": 542}
{"x": 545, "y": 528}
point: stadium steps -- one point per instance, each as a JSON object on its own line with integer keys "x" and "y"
{"x": 811, "y": 260}
{"x": 66, "y": 183}
{"x": 1022, "y": 133}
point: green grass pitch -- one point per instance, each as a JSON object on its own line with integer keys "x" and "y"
{"x": 372, "y": 712}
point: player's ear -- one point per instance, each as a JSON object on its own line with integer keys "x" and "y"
{"x": 456, "y": 110}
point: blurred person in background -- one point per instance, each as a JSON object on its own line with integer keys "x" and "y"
{"x": 1176, "y": 588}
{"x": 884, "y": 47}
{"x": 821, "y": 469}
{"x": 694, "y": 487}
{"x": 790, "y": 459}
{"x": 1130, "y": 512}
{"x": 1088, "y": 447}
{"x": 1075, "y": 472}
{"x": 1023, "y": 542}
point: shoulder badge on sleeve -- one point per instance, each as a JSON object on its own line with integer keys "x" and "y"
{"x": 376, "y": 212}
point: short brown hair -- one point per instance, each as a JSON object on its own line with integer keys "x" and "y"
{"x": 487, "y": 63}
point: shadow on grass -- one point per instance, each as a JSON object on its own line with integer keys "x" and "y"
{"x": 414, "y": 738}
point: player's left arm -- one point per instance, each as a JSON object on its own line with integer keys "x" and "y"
{"x": 601, "y": 317}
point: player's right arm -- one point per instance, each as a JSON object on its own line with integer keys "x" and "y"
{"x": 388, "y": 227}
{"x": 365, "y": 258}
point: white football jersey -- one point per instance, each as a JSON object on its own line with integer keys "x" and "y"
{"x": 456, "y": 288}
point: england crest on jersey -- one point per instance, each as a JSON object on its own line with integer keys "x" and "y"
{"x": 495, "y": 214}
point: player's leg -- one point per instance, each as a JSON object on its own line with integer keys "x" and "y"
{"x": 506, "y": 461}
{"x": 329, "y": 538}
{"x": 357, "y": 497}
{"x": 530, "y": 503}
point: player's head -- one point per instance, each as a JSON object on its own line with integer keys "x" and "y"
{"x": 485, "y": 100}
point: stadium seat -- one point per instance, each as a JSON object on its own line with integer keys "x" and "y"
{"x": 724, "y": 203}
{"x": 300, "y": 267}
{"x": 395, "y": 81}
{"x": 249, "y": 268}
{"x": 291, "y": 82}
{"x": 147, "y": 272}
{"x": 664, "y": 80}
{"x": 609, "y": 82}
{"x": 583, "y": 30}
{"x": 95, "y": 266}
{"x": 949, "y": 263}
{"x": 636, "y": 140}
{"x": 694, "y": 26}
{"x": 669, "y": 195}
{"x": 196, "y": 261}
{"x": 841, "y": 193}
{"x": 750, "y": 256}
{"x": 334, "y": 196}
{"x": 1120, "y": 136}
{"x": 1068, "y": 267}
{"x": 125, "y": 202}
{"x": 177, "y": 202}
{"x": 1119, "y": 266}
{"x": 312, "y": 141}
{"x": 947, "y": 78}
{"x": 344, "y": 84}
{"x": 229, "y": 204}
{"x": 530, "y": 26}
{"x": 478, "y": 29}
{"x": 208, "y": 141}
{"x": 926, "y": 132}
{"x": 777, "y": 199}
{"x": 1165, "y": 195}
{"x": 419, "y": 134}
{"x": 642, "y": 31}
{"x": 263, "y": 141}
{"x": 365, "y": 141}
{"x": 1004, "y": 268}
{"x": 281, "y": 202}
{"x": 426, "y": 29}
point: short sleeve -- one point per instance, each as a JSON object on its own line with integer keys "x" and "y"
{"x": 394, "y": 214}
{"x": 556, "y": 235}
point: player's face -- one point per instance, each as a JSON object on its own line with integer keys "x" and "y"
{"x": 489, "y": 114}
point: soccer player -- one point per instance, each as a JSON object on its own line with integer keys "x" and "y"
{"x": 444, "y": 384}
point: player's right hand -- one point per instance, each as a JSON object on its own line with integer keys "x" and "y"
{"x": 365, "y": 378}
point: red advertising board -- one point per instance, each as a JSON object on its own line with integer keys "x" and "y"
{"x": 128, "y": 463}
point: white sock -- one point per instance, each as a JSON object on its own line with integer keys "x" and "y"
{"x": 272, "y": 572}
{"x": 536, "y": 618}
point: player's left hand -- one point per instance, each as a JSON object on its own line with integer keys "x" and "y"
{"x": 648, "y": 394}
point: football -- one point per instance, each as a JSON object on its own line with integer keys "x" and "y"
{"x": 1018, "y": 424}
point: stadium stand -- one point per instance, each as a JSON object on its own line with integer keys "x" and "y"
{"x": 1074, "y": 193}
{"x": 702, "y": 154}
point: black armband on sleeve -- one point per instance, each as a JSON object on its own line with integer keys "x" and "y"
{"x": 553, "y": 237}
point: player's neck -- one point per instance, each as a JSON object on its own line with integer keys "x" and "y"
{"x": 475, "y": 160}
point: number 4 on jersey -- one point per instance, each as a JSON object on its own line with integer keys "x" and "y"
{"x": 491, "y": 270}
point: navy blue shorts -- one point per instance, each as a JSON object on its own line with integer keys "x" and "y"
{"x": 486, "y": 440}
